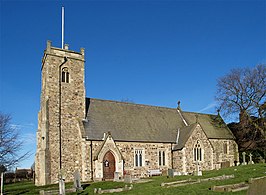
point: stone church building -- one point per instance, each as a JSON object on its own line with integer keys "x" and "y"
{"x": 102, "y": 138}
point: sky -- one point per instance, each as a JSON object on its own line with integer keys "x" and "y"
{"x": 149, "y": 52}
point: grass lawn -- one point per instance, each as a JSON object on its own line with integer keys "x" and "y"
{"x": 241, "y": 173}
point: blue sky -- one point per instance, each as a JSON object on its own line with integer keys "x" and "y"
{"x": 151, "y": 52}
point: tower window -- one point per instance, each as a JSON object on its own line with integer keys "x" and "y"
{"x": 65, "y": 75}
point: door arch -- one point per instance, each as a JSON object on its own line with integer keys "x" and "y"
{"x": 108, "y": 165}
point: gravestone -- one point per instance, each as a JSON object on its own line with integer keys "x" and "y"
{"x": 225, "y": 164}
{"x": 244, "y": 158}
{"x": 261, "y": 160}
{"x": 170, "y": 172}
{"x": 116, "y": 176}
{"x": 62, "y": 177}
{"x": 198, "y": 171}
{"x": 250, "y": 162}
{"x": 127, "y": 179}
{"x": 77, "y": 183}
{"x": 2, "y": 182}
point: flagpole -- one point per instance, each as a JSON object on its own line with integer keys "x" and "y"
{"x": 63, "y": 27}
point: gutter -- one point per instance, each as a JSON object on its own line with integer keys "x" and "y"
{"x": 60, "y": 118}
{"x": 91, "y": 162}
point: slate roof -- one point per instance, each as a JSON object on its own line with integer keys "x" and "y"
{"x": 144, "y": 123}
{"x": 184, "y": 134}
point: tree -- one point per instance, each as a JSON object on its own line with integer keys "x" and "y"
{"x": 10, "y": 144}
{"x": 243, "y": 92}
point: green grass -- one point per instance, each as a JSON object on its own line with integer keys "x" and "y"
{"x": 242, "y": 174}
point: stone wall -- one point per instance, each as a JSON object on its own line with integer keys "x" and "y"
{"x": 151, "y": 156}
{"x": 179, "y": 160}
{"x": 184, "y": 159}
{"x": 126, "y": 149}
{"x": 224, "y": 151}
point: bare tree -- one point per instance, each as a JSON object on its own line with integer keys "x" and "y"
{"x": 243, "y": 92}
{"x": 10, "y": 144}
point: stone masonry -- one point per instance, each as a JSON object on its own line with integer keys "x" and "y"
{"x": 65, "y": 146}
{"x": 62, "y": 105}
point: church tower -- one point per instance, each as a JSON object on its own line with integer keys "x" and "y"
{"x": 62, "y": 106}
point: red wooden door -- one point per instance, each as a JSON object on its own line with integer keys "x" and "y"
{"x": 108, "y": 166}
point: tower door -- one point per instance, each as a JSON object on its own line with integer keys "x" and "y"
{"x": 108, "y": 166}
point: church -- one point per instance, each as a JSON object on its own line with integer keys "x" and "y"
{"x": 103, "y": 138}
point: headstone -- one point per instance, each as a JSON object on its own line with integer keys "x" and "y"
{"x": 225, "y": 164}
{"x": 261, "y": 160}
{"x": 62, "y": 190}
{"x": 244, "y": 158}
{"x": 250, "y": 159}
{"x": 171, "y": 172}
{"x": 2, "y": 182}
{"x": 62, "y": 186}
{"x": 127, "y": 179}
{"x": 116, "y": 176}
{"x": 77, "y": 183}
{"x": 100, "y": 191}
{"x": 198, "y": 172}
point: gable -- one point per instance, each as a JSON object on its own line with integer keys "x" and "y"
{"x": 188, "y": 133}
{"x": 213, "y": 125}
{"x": 183, "y": 136}
{"x": 108, "y": 145}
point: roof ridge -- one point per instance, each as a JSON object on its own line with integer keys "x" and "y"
{"x": 133, "y": 104}
{"x": 200, "y": 113}
{"x": 146, "y": 105}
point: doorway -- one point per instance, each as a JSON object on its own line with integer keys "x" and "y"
{"x": 108, "y": 165}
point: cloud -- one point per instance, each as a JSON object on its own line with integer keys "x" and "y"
{"x": 208, "y": 107}
{"x": 26, "y": 133}
{"x": 23, "y": 126}
{"x": 28, "y": 138}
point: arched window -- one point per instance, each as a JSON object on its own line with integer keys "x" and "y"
{"x": 138, "y": 157}
{"x": 197, "y": 151}
{"x": 65, "y": 75}
{"x": 225, "y": 147}
{"x": 161, "y": 158}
